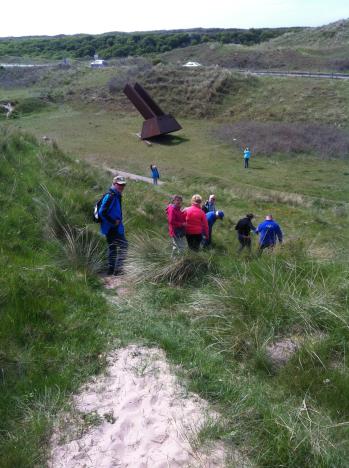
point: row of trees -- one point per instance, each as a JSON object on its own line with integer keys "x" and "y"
{"x": 123, "y": 44}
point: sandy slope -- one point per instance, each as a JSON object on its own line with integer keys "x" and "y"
{"x": 147, "y": 420}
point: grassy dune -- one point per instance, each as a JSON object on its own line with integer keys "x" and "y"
{"x": 220, "y": 315}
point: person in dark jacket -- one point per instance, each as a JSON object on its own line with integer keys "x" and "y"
{"x": 268, "y": 232}
{"x": 210, "y": 204}
{"x": 212, "y": 217}
{"x": 154, "y": 172}
{"x": 112, "y": 227}
{"x": 244, "y": 227}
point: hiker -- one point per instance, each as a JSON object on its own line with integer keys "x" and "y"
{"x": 196, "y": 223}
{"x": 244, "y": 227}
{"x": 210, "y": 204}
{"x": 247, "y": 155}
{"x": 176, "y": 225}
{"x": 110, "y": 212}
{"x": 268, "y": 231}
{"x": 212, "y": 217}
{"x": 154, "y": 174}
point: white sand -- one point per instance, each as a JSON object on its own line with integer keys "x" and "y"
{"x": 151, "y": 422}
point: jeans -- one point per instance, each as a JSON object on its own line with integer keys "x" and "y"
{"x": 178, "y": 245}
{"x": 117, "y": 250}
{"x": 155, "y": 181}
{"x": 194, "y": 241}
{"x": 246, "y": 163}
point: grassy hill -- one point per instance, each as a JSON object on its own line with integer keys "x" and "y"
{"x": 224, "y": 318}
{"x": 333, "y": 35}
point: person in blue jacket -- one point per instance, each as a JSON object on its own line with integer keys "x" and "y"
{"x": 268, "y": 232}
{"x": 112, "y": 227}
{"x": 154, "y": 174}
{"x": 247, "y": 155}
{"x": 211, "y": 217}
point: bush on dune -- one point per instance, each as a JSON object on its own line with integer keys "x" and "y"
{"x": 289, "y": 138}
{"x": 149, "y": 260}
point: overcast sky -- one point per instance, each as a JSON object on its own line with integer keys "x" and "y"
{"x": 45, "y": 17}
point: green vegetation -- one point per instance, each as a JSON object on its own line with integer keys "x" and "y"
{"x": 221, "y": 316}
{"x": 124, "y": 44}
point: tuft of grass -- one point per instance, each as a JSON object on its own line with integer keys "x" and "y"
{"x": 149, "y": 260}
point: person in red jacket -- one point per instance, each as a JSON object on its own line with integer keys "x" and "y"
{"x": 196, "y": 223}
{"x": 176, "y": 225}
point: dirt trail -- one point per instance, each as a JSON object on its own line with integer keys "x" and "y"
{"x": 129, "y": 175}
{"x": 146, "y": 419}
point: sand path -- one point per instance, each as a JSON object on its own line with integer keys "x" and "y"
{"x": 146, "y": 418}
{"x": 129, "y": 175}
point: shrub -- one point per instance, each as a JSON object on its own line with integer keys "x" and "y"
{"x": 290, "y": 138}
{"x": 149, "y": 260}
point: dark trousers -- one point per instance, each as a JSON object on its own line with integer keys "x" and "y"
{"x": 208, "y": 242}
{"x": 117, "y": 250}
{"x": 245, "y": 241}
{"x": 265, "y": 246}
{"x": 245, "y": 163}
{"x": 194, "y": 241}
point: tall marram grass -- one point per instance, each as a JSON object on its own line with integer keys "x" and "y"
{"x": 54, "y": 322}
{"x": 149, "y": 260}
{"x": 80, "y": 247}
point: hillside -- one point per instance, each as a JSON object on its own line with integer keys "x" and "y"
{"x": 115, "y": 44}
{"x": 333, "y": 35}
{"x": 263, "y": 338}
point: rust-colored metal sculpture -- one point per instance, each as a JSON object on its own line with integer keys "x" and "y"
{"x": 156, "y": 121}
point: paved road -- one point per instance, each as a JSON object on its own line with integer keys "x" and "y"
{"x": 335, "y": 76}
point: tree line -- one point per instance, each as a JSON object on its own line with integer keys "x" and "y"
{"x": 118, "y": 44}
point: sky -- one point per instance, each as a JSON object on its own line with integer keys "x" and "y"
{"x": 52, "y": 17}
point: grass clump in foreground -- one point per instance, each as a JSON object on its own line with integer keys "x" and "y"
{"x": 54, "y": 320}
{"x": 148, "y": 261}
{"x": 220, "y": 325}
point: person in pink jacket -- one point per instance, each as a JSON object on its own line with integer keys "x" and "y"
{"x": 176, "y": 224}
{"x": 196, "y": 223}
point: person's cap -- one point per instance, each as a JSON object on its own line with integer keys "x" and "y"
{"x": 220, "y": 214}
{"x": 250, "y": 215}
{"x": 120, "y": 180}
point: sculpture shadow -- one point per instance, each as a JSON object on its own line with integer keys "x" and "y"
{"x": 169, "y": 140}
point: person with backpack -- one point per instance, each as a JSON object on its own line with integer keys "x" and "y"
{"x": 247, "y": 155}
{"x": 268, "y": 232}
{"x": 110, "y": 213}
{"x": 212, "y": 217}
{"x": 210, "y": 204}
{"x": 154, "y": 173}
{"x": 196, "y": 223}
{"x": 244, "y": 227}
{"x": 176, "y": 225}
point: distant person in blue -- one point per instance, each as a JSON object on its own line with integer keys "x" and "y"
{"x": 154, "y": 174}
{"x": 247, "y": 155}
{"x": 268, "y": 232}
{"x": 211, "y": 217}
{"x": 110, "y": 212}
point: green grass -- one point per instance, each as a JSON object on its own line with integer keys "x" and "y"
{"x": 216, "y": 313}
